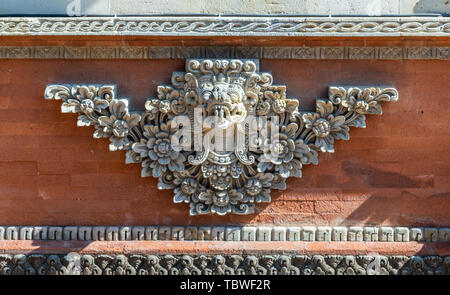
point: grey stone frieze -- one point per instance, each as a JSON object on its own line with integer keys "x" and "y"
{"x": 182, "y": 52}
{"x": 227, "y": 26}
{"x": 227, "y": 233}
{"x": 76, "y": 264}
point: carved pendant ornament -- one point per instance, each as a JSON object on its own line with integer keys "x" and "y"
{"x": 221, "y": 136}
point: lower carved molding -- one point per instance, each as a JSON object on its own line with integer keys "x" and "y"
{"x": 75, "y": 264}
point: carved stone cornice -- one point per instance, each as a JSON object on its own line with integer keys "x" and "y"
{"x": 182, "y": 52}
{"x": 227, "y": 26}
{"x": 227, "y": 233}
{"x": 260, "y": 136}
{"x": 287, "y": 264}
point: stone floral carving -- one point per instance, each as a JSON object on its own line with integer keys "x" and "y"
{"x": 231, "y": 95}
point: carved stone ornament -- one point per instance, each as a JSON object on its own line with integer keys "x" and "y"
{"x": 177, "y": 138}
{"x": 226, "y": 264}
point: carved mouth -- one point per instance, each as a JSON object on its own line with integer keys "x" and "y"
{"x": 226, "y": 113}
{"x": 222, "y": 114}
{"x": 221, "y": 111}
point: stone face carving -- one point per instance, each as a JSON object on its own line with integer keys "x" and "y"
{"x": 233, "y": 97}
{"x": 271, "y": 264}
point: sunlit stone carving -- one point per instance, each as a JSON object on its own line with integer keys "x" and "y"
{"x": 221, "y": 136}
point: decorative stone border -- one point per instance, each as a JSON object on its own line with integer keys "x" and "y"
{"x": 227, "y": 233}
{"x": 227, "y": 26}
{"x": 73, "y": 263}
{"x": 180, "y": 52}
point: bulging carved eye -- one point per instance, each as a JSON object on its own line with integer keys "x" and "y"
{"x": 207, "y": 85}
{"x": 234, "y": 97}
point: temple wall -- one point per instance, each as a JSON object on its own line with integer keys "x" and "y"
{"x": 68, "y": 205}
{"x": 394, "y": 172}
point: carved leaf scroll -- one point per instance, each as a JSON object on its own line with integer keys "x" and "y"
{"x": 230, "y": 91}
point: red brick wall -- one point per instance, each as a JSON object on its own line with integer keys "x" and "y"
{"x": 394, "y": 172}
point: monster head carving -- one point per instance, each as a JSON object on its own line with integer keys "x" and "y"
{"x": 226, "y": 89}
{"x": 223, "y": 97}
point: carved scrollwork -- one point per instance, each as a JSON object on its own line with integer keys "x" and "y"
{"x": 214, "y": 172}
{"x": 205, "y": 264}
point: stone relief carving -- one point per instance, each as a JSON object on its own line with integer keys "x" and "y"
{"x": 291, "y": 264}
{"x": 228, "y": 25}
{"x": 227, "y": 233}
{"x": 228, "y": 52}
{"x": 237, "y": 98}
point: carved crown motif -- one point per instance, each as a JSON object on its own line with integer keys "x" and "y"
{"x": 180, "y": 140}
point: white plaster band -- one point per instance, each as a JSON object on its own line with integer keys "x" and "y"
{"x": 227, "y": 26}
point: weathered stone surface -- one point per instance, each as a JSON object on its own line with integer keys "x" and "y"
{"x": 431, "y": 234}
{"x": 55, "y": 233}
{"x": 323, "y": 233}
{"x": 248, "y": 233}
{"x": 279, "y": 233}
{"x": 355, "y": 234}
{"x": 70, "y": 233}
{"x": 263, "y": 233}
{"x": 98, "y": 233}
{"x": 218, "y": 233}
{"x": 138, "y": 233}
{"x": 416, "y": 234}
{"x": 112, "y": 233}
{"x": 401, "y": 234}
{"x": 371, "y": 234}
{"x": 177, "y": 233}
{"x": 444, "y": 235}
{"x": 164, "y": 233}
{"x": 191, "y": 233}
{"x": 339, "y": 233}
{"x": 151, "y": 233}
{"x": 386, "y": 234}
{"x": 308, "y": 233}
{"x": 204, "y": 233}
{"x": 233, "y": 233}
{"x": 293, "y": 233}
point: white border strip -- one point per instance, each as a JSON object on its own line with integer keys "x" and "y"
{"x": 227, "y": 26}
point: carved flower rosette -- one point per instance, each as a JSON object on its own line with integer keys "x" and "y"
{"x": 216, "y": 97}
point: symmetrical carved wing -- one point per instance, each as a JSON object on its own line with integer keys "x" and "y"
{"x": 270, "y": 138}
